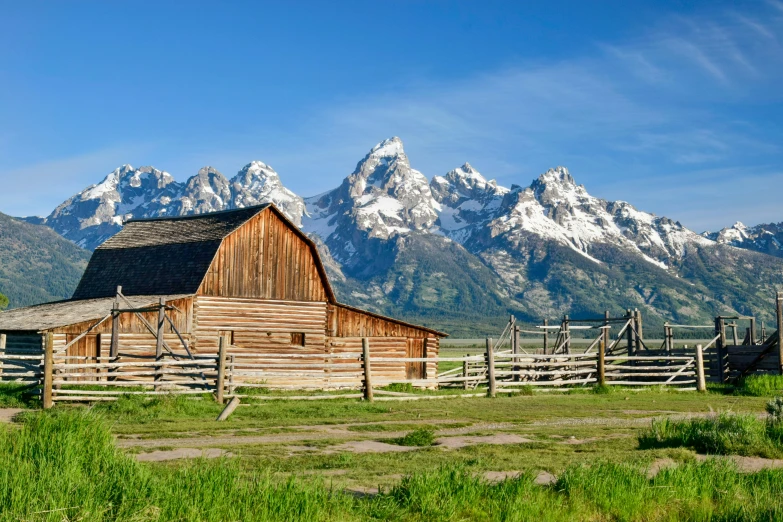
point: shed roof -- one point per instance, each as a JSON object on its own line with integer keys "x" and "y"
{"x": 63, "y": 313}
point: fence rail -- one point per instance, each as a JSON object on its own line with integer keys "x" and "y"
{"x": 234, "y": 373}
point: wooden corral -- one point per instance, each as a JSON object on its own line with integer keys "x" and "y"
{"x": 248, "y": 276}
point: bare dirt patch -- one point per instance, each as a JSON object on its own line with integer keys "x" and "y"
{"x": 182, "y": 453}
{"x": 299, "y": 434}
{"x": 747, "y": 464}
{"x": 467, "y": 440}
{"x": 658, "y": 465}
{"x": 8, "y": 414}
{"x": 369, "y": 446}
{"x": 574, "y": 441}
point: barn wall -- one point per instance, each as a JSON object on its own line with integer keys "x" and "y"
{"x": 259, "y": 330}
{"x": 265, "y": 259}
{"x": 345, "y": 322}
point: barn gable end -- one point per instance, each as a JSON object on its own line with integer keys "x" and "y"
{"x": 267, "y": 257}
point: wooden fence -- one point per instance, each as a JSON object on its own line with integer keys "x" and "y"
{"x": 227, "y": 374}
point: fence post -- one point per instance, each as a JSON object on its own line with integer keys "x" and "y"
{"x": 48, "y": 370}
{"x": 367, "y": 370}
{"x": 734, "y": 337}
{"x": 720, "y": 347}
{"x": 159, "y": 338}
{"x": 231, "y": 386}
{"x": 753, "y": 331}
{"x": 546, "y": 335}
{"x": 701, "y": 383}
{"x": 601, "y": 363}
{"x": 517, "y": 351}
{"x": 779, "y": 316}
{"x": 567, "y": 331}
{"x": 465, "y": 384}
{"x": 491, "y": 369}
{"x": 629, "y": 331}
{"x": 639, "y": 337}
{"x": 115, "y": 326}
{"x": 605, "y": 331}
{"x": 221, "y": 370}
{"x": 2, "y": 353}
{"x": 667, "y": 347}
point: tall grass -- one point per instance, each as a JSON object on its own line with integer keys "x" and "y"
{"x": 763, "y": 385}
{"x": 723, "y": 434}
{"x": 64, "y": 466}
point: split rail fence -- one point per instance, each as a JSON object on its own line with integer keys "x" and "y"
{"x": 228, "y": 375}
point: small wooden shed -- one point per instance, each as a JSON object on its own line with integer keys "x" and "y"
{"x": 249, "y": 276}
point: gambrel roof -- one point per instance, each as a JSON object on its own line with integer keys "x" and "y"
{"x": 169, "y": 255}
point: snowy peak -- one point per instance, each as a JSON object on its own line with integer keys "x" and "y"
{"x": 388, "y": 148}
{"x": 207, "y": 191}
{"x": 735, "y": 234}
{"x": 383, "y": 197}
{"x": 766, "y": 238}
{"x": 99, "y": 211}
{"x": 257, "y": 183}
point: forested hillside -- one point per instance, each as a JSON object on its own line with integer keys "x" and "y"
{"x": 36, "y": 263}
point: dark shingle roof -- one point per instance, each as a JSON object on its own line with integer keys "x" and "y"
{"x": 159, "y": 256}
{"x": 185, "y": 229}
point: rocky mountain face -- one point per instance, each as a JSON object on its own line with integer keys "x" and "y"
{"x": 461, "y": 252}
{"x": 766, "y": 238}
{"x": 95, "y": 214}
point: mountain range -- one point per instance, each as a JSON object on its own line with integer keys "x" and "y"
{"x": 461, "y": 252}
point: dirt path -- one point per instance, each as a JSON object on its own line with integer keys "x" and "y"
{"x": 307, "y": 433}
{"x": 8, "y": 414}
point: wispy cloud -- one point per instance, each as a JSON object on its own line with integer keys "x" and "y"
{"x": 36, "y": 189}
{"x": 672, "y": 100}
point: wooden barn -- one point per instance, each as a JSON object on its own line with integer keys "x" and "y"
{"x": 173, "y": 287}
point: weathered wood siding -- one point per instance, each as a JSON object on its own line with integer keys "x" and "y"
{"x": 265, "y": 259}
{"x": 258, "y": 331}
{"x": 135, "y": 342}
{"x": 347, "y": 322}
{"x": 739, "y": 357}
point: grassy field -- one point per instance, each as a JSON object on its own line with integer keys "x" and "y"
{"x": 546, "y": 456}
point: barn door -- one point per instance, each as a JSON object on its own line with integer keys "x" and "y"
{"x": 88, "y": 349}
{"x": 415, "y": 349}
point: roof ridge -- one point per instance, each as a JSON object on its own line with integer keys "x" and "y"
{"x": 201, "y": 216}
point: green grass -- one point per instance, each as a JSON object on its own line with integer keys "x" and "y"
{"x": 723, "y": 434}
{"x": 419, "y": 437}
{"x": 64, "y": 466}
{"x": 17, "y": 396}
{"x": 761, "y": 385}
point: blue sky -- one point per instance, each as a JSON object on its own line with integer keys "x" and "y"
{"x": 675, "y": 106}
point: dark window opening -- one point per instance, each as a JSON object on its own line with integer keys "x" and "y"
{"x": 298, "y": 339}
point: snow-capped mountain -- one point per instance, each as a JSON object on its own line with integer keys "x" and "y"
{"x": 766, "y": 238}
{"x": 98, "y": 212}
{"x": 460, "y": 244}
{"x": 555, "y": 208}
{"x": 383, "y": 198}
